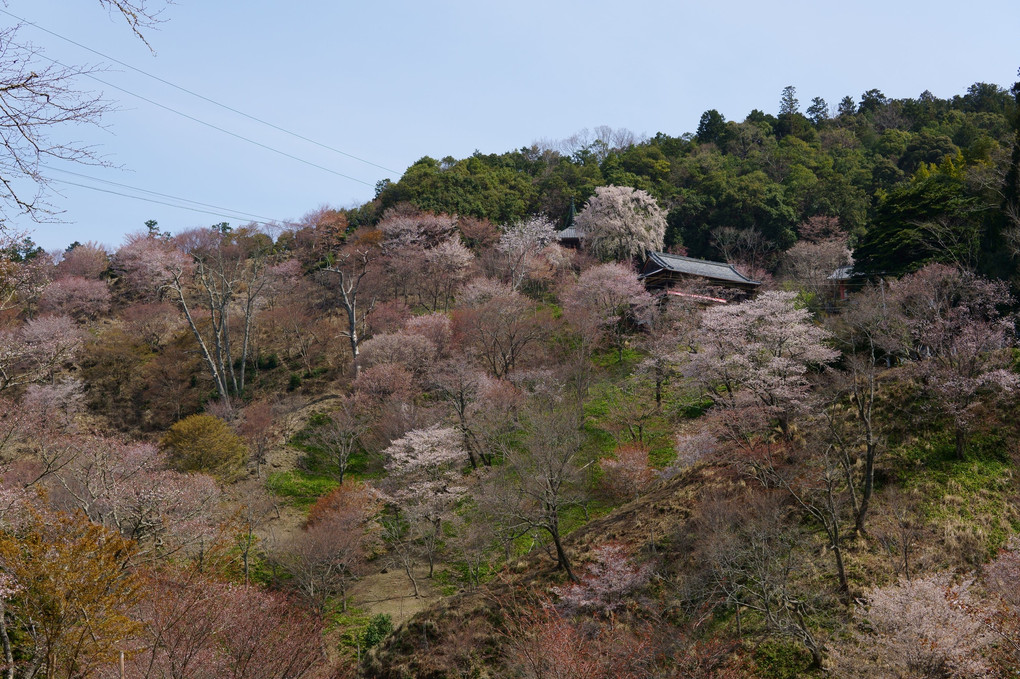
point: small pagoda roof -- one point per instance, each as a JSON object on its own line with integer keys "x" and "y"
{"x": 689, "y": 266}
{"x": 569, "y": 233}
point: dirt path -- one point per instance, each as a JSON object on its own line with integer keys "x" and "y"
{"x": 391, "y": 593}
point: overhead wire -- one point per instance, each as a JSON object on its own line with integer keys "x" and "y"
{"x": 197, "y": 95}
{"x": 224, "y": 213}
{"x": 157, "y": 193}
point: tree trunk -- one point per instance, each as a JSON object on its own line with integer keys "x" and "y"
{"x": 869, "y": 486}
{"x": 8, "y": 652}
{"x": 561, "y": 556}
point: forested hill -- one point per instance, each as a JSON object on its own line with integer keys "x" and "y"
{"x": 879, "y": 165}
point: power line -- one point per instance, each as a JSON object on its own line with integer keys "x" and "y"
{"x": 157, "y": 193}
{"x": 160, "y": 202}
{"x": 199, "y": 96}
{"x": 210, "y": 125}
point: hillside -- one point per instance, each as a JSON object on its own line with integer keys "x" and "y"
{"x": 428, "y": 438}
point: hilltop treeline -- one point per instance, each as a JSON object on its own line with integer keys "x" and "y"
{"x": 855, "y": 160}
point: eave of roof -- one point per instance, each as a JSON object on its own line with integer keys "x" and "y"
{"x": 699, "y": 267}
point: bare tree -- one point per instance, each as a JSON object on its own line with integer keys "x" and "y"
{"x": 747, "y": 248}
{"x": 340, "y": 434}
{"x": 224, "y": 281}
{"x": 499, "y": 324}
{"x": 539, "y": 481}
{"x": 747, "y": 557}
{"x": 328, "y": 556}
{"x": 352, "y": 264}
{"x": 38, "y": 101}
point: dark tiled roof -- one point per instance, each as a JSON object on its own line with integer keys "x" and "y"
{"x": 698, "y": 267}
{"x": 843, "y": 273}
{"x": 569, "y": 233}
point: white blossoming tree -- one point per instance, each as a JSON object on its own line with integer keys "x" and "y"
{"x": 621, "y": 223}
{"x": 424, "y": 469}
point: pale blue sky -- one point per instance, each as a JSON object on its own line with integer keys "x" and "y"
{"x": 391, "y": 82}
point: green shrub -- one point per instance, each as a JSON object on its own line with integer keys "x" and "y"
{"x": 204, "y": 443}
{"x": 379, "y": 627}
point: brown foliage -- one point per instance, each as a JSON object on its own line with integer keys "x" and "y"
{"x": 74, "y": 595}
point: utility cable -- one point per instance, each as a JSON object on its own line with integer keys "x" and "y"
{"x": 173, "y": 205}
{"x": 200, "y": 96}
{"x": 157, "y": 193}
{"x": 210, "y": 125}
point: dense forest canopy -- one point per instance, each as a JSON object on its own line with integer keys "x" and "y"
{"x": 858, "y": 162}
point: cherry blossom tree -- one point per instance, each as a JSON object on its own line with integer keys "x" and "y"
{"x": 922, "y": 628}
{"x": 520, "y": 244}
{"x": 126, "y": 487}
{"x": 412, "y": 351}
{"x": 763, "y": 346}
{"x": 330, "y": 554}
{"x": 484, "y": 407}
{"x": 1002, "y": 616}
{"x": 436, "y": 327}
{"x": 195, "y": 626}
{"x": 604, "y": 299}
{"x": 144, "y": 265}
{"x": 958, "y": 339}
{"x": 424, "y": 472}
{"x": 621, "y": 223}
{"x": 606, "y": 582}
{"x": 77, "y": 297}
{"x": 691, "y": 447}
{"x": 37, "y": 350}
{"x": 89, "y": 261}
{"x": 541, "y": 642}
{"x": 444, "y": 268}
{"x": 628, "y": 472}
{"x": 411, "y": 229}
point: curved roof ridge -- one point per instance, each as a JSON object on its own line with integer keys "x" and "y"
{"x": 700, "y": 267}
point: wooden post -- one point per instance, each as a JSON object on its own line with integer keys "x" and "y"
{"x": 122, "y": 665}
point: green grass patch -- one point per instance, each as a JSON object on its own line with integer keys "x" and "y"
{"x": 300, "y": 488}
{"x": 615, "y": 415}
{"x": 780, "y": 659}
{"x": 575, "y": 516}
{"x": 617, "y": 361}
{"x": 969, "y": 497}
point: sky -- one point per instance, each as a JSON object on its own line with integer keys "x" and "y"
{"x": 383, "y": 84}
